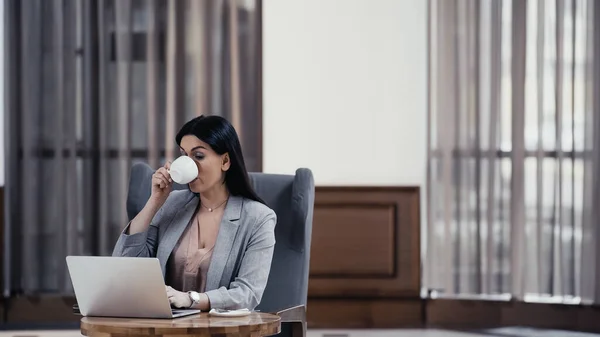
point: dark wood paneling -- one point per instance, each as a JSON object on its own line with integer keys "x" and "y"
{"x": 42, "y": 309}
{"x": 471, "y": 314}
{"x": 2, "y": 254}
{"x": 589, "y": 319}
{"x": 365, "y": 258}
{"x": 365, "y": 243}
{"x": 364, "y": 313}
{"x": 1, "y": 240}
{"x": 339, "y": 249}
{"x": 458, "y": 313}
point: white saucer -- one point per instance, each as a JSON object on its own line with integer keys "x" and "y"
{"x": 230, "y": 313}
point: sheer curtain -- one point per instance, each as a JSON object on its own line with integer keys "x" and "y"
{"x": 514, "y": 149}
{"x": 98, "y": 84}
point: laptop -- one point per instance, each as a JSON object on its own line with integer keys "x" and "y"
{"x": 130, "y": 287}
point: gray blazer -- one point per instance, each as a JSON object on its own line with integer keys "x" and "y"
{"x": 241, "y": 260}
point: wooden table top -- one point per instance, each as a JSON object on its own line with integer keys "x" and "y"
{"x": 200, "y": 325}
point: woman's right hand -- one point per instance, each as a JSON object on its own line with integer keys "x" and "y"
{"x": 161, "y": 188}
{"x": 161, "y": 185}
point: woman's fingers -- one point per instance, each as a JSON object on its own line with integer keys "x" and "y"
{"x": 164, "y": 173}
{"x": 161, "y": 178}
{"x": 159, "y": 181}
{"x": 170, "y": 292}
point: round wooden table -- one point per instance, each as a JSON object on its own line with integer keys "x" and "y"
{"x": 200, "y": 325}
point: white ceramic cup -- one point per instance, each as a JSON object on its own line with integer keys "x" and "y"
{"x": 183, "y": 170}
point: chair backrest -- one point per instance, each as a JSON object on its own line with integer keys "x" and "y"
{"x": 292, "y": 199}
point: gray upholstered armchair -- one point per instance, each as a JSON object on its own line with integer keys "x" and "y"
{"x": 292, "y": 199}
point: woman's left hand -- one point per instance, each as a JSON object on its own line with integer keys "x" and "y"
{"x": 178, "y": 299}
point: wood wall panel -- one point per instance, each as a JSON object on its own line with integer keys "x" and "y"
{"x": 2, "y": 304}
{"x": 365, "y": 258}
{"x": 364, "y": 313}
{"x": 471, "y": 314}
{"x": 2, "y": 238}
{"x": 352, "y": 251}
{"x": 365, "y": 243}
{"x": 41, "y": 309}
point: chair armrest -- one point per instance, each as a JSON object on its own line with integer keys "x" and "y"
{"x": 296, "y": 318}
{"x": 293, "y": 314}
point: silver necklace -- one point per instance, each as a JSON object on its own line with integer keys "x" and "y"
{"x": 210, "y": 209}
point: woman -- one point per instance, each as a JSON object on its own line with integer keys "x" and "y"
{"x": 214, "y": 241}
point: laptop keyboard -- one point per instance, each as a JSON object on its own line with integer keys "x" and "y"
{"x": 179, "y": 311}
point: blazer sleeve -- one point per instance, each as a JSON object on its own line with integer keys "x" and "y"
{"x": 143, "y": 244}
{"x": 247, "y": 288}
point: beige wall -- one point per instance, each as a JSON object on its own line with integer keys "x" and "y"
{"x": 345, "y": 90}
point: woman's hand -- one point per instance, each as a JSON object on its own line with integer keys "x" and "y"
{"x": 161, "y": 185}
{"x": 178, "y": 299}
{"x": 161, "y": 188}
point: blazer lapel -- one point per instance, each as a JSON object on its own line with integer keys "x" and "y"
{"x": 175, "y": 230}
{"x": 224, "y": 244}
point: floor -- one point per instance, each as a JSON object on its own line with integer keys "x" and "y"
{"x": 502, "y": 332}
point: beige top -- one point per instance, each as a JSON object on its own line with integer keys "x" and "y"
{"x": 190, "y": 259}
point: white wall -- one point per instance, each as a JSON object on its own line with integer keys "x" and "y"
{"x": 344, "y": 90}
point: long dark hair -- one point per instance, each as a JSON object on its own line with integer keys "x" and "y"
{"x": 221, "y": 136}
